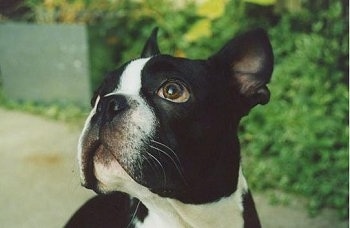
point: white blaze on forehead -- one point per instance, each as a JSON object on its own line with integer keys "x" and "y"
{"x": 130, "y": 80}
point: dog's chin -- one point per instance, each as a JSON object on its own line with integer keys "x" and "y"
{"x": 110, "y": 178}
{"x": 108, "y": 173}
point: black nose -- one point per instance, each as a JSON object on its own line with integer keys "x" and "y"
{"x": 111, "y": 105}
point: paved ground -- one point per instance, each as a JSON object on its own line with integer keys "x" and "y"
{"x": 39, "y": 184}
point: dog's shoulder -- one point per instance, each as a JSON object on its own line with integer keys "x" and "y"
{"x": 112, "y": 210}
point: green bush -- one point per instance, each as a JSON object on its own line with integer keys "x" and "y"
{"x": 299, "y": 142}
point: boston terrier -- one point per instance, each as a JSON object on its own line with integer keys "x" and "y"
{"x": 160, "y": 145}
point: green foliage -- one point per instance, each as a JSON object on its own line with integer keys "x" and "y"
{"x": 299, "y": 142}
{"x": 69, "y": 113}
{"x": 262, "y": 2}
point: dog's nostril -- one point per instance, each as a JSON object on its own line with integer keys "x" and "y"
{"x": 114, "y": 104}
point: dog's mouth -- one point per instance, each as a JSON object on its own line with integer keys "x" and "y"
{"x": 88, "y": 178}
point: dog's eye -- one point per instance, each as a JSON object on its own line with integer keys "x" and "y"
{"x": 174, "y": 91}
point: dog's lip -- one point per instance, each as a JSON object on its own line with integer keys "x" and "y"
{"x": 89, "y": 180}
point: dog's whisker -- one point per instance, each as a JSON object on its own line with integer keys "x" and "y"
{"x": 151, "y": 164}
{"x": 134, "y": 215}
{"x": 167, "y": 147}
{"x": 161, "y": 166}
{"x": 178, "y": 166}
{"x": 166, "y": 154}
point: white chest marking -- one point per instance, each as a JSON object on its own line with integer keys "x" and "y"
{"x": 171, "y": 213}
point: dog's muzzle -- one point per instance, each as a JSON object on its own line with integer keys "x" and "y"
{"x": 115, "y": 135}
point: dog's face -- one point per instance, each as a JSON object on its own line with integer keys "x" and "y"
{"x": 170, "y": 124}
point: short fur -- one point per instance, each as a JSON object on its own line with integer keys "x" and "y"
{"x": 163, "y": 161}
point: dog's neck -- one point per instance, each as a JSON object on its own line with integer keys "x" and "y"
{"x": 166, "y": 212}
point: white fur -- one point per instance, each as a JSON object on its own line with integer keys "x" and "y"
{"x": 130, "y": 80}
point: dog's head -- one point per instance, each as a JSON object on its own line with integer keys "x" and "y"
{"x": 170, "y": 124}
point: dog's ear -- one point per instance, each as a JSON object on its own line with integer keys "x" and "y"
{"x": 249, "y": 60}
{"x": 151, "y": 47}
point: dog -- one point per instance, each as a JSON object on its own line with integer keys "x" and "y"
{"x": 160, "y": 145}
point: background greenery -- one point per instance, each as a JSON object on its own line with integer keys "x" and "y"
{"x": 299, "y": 142}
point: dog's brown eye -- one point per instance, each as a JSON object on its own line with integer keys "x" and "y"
{"x": 174, "y": 91}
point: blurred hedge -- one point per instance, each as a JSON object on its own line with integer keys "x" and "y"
{"x": 299, "y": 142}
{"x": 302, "y": 140}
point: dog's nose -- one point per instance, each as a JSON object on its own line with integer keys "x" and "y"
{"x": 116, "y": 103}
{"x": 111, "y": 105}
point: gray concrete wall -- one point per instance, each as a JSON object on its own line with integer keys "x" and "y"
{"x": 45, "y": 63}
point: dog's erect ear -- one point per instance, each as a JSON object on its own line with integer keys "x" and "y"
{"x": 151, "y": 47}
{"x": 249, "y": 59}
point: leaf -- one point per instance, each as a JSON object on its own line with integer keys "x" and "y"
{"x": 262, "y": 2}
{"x": 212, "y": 9}
{"x": 200, "y": 29}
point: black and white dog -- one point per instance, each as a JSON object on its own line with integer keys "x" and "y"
{"x": 161, "y": 140}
